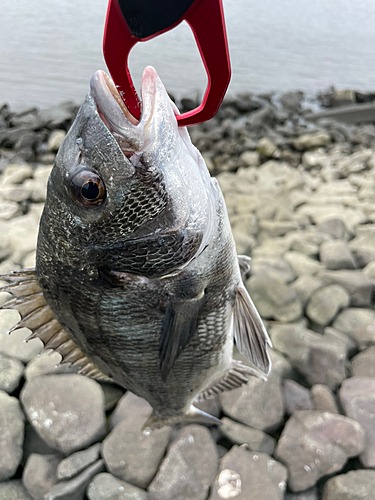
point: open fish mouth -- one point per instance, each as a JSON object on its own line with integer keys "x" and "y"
{"x": 130, "y": 133}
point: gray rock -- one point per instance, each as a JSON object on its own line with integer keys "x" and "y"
{"x": 55, "y": 139}
{"x": 132, "y": 455}
{"x": 210, "y": 406}
{"x": 242, "y": 434}
{"x": 354, "y": 485}
{"x": 359, "y": 324}
{"x": 11, "y": 435}
{"x": 325, "y": 303}
{"x": 39, "y": 474}
{"x": 47, "y": 363}
{"x": 16, "y": 174}
{"x": 74, "y": 464}
{"x": 336, "y": 255}
{"x": 250, "y": 158}
{"x": 304, "y": 495}
{"x": 273, "y": 267}
{"x": 356, "y": 283}
{"x": 302, "y": 264}
{"x": 74, "y": 489}
{"x": 13, "y": 490}
{"x": 305, "y": 286}
{"x": 277, "y": 227}
{"x": 323, "y": 398}
{"x": 107, "y": 487}
{"x": 357, "y": 396}
{"x": 314, "y": 444}
{"x": 130, "y": 408}
{"x": 67, "y": 411}
{"x": 296, "y": 397}
{"x": 14, "y": 345}
{"x": 349, "y": 344}
{"x": 33, "y": 443}
{"x": 363, "y": 249}
{"x": 310, "y": 141}
{"x": 266, "y": 147}
{"x": 363, "y": 365}
{"x": 258, "y": 404}
{"x": 247, "y": 475}
{"x": 274, "y": 299}
{"x": 320, "y": 359}
{"x": 334, "y": 227}
{"x": 369, "y": 271}
{"x": 11, "y": 371}
{"x": 189, "y": 467}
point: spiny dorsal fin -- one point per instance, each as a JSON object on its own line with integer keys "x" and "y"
{"x": 237, "y": 375}
{"x": 249, "y": 332}
{"x": 36, "y": 315}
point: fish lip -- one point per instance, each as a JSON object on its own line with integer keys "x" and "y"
{"x": 108, "y": 101}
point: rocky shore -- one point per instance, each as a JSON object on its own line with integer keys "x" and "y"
{"x": 300, "y": 193}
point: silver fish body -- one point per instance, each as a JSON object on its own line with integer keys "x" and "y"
{"x": 144, "y": 279}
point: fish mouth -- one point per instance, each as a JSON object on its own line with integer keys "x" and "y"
{"x": 108, "y": 100}
{"x": 125, "y": 128}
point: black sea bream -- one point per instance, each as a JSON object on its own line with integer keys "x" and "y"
{"x": 137, "y": 277}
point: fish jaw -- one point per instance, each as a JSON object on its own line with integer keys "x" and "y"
{"x": 158, "y": 113}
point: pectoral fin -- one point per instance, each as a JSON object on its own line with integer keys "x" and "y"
{"x": 179, "y": 325}
{"x": 36, "y": 315}
{"x": 249, "y": 332}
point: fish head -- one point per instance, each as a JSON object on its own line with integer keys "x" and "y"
{"x": 120, "y": 187}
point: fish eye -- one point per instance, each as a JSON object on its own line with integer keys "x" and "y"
{"x": 87, "y": 189}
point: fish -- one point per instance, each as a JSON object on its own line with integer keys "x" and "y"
{"x": 137, "y": 279}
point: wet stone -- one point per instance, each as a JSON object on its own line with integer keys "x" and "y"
{"x": 11, "y": 371}
{"x": 311, "y": 494}
{"x": 75, "y": 463}
{"x": 39, "y": 474}
{"x": 323, "y": 398}
{"x": 314, "y": 444}
{"x": 359, "y": 324}
{"x": 355, "y": 282}
{"x": 336, "y": 255}
{"x": 363, "y": 364}
{"x": 74, "y": 489}
{"x": 248, "y": 475}
{"x": 67, "y": 411}
{"x": 354, "y": 485}
{"x": 189, "y": 467}
{"x": 357, "y": 396}
{"x": 325, "y": 303}
{"x": 321, "y": 359}
{"x": 258, "y": 404}
{"x": 107, "y": 487}
{"x": 11, "y": 435}
{"x": 131, "y": 408}
{"x": 296, "y": 397}
{"x": 13, "y": 490}
{"x": 305, "y": 286}
{"x": 254, "y": 439}
{"x": 274, "y": 299}
{"x": 133, "y": 455}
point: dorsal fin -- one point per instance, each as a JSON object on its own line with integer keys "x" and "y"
{"x": 36, "y": 315}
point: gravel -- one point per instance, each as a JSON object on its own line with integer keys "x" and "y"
{"x": 300, "y": 197}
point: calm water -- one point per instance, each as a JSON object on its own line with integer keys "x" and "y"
{"x": 49, "y": 50}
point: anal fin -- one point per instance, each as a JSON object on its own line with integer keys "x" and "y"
{"x": 237, "y": 375}
{"x": 37, "y": 316}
